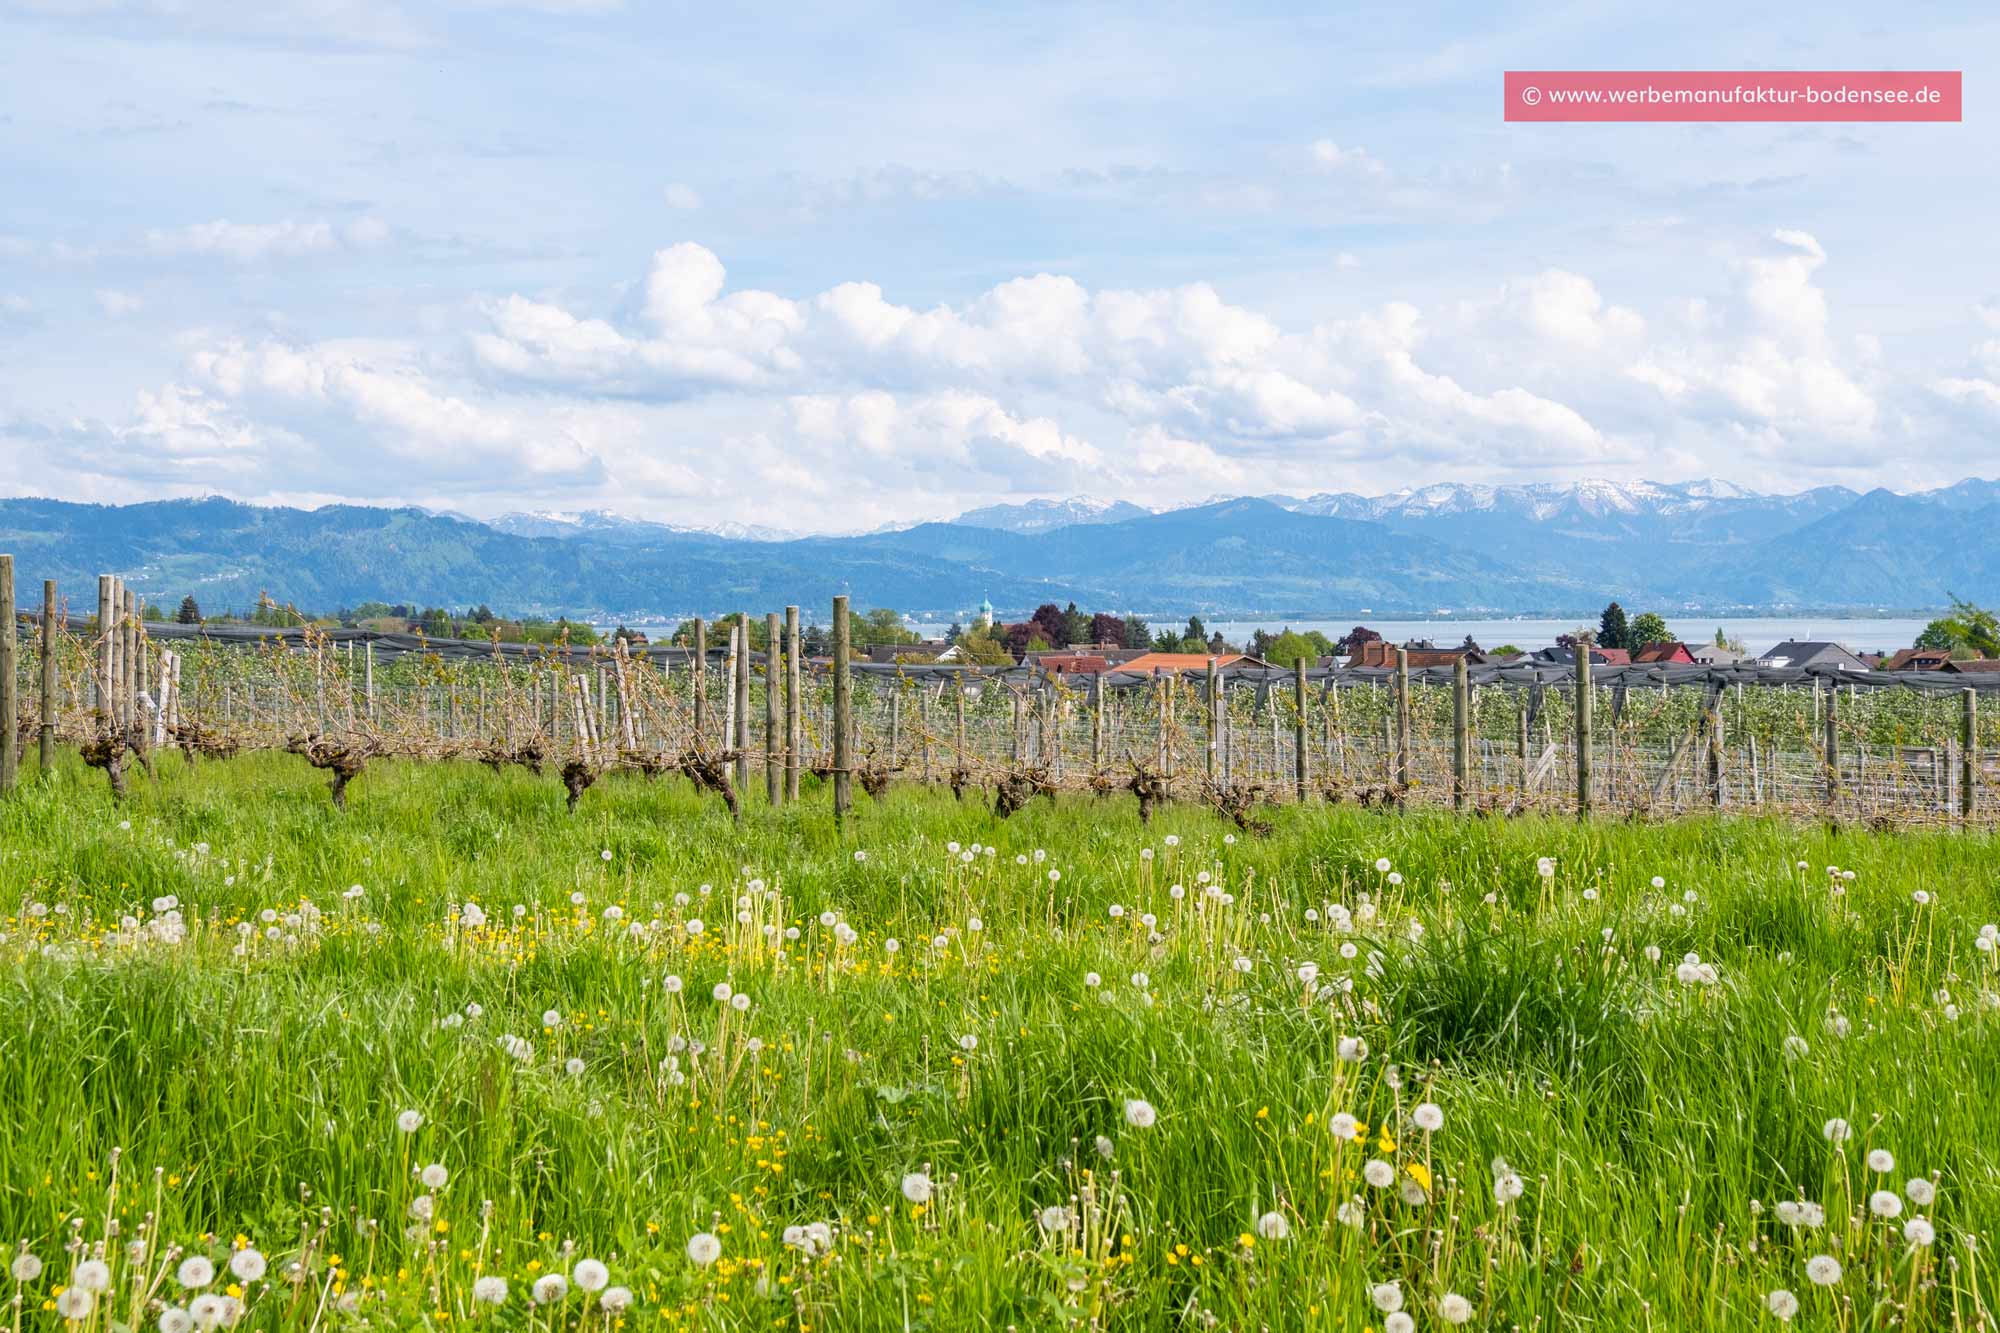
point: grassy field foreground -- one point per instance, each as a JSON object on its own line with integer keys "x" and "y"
{"x": 456, "y": 1056}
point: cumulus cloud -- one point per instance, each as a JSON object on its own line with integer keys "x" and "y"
{"x": 859, "y": 408}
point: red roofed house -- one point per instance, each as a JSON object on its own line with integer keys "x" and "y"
{"x": 1153, "y": 662}
{"x": 1378, "y": 653}
{"x": 1071, "y": 664}
{"x": 1676, "y": 654}
{"x": 1916, "y": 659}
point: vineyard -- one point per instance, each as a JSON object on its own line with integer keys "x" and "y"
{"x": 1913, "y": 748}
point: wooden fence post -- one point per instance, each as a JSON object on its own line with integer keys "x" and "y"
{"x": 740, "y": 741}
{"x": 1832, "y": 742}
{"x": 1717, "y": 787}
{"x": 10, "y": 704}
{"x": 794, "y": 705}
{"x": 698, "y": 678}
{"x": 100, "y": 684}
{"x": 843, "y": 713}
{"x": 1461, "y": 733}
{"x": 1968, "y": 783}
{"x": 1585, "y": 702}
{"x": 1300, "y": 762}
{"x": 1402, "y": 717}
{"x": 958, "y": 700}
{"x": 48, "y": 737}
{"x": 1097, "y": 725}
{"x": 128, "y": 648}
{"x": 774, "y": 673}
{"x": 1214, "y": 721}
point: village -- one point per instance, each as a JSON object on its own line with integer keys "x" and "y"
{"x": 1066, "y": 642}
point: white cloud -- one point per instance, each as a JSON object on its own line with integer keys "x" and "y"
{"x": 860, "y": 409}
{"x": 256, "y": 242}
{"x": 1330, "y": 156}
{"x": 118, "y": 304}
{"x": 681, "y": 196}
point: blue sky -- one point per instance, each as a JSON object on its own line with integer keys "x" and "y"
{"x": 830, "y": 268}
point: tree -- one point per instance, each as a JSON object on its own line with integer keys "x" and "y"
{"x": 1612, "y": 631}
{"x": 190, "y": 613}
{"x": 1721, "y": 639}
{"x": 1107, "y": 629}
{"x": 881, "y": 625}
{"x": 1937, "y": 636}
{"x": 1351, "y": 643}
{"x": 1217, "y": 645}
{"x": 1195, "y": 630}
{"x": 1646, "y": 628}
{"x": 1974, "y": 627}
{"x": 980, "y": 648}
{"x": 1076, "y": 625}
{"x": 1051, "y": 623}
{"x": 1287, "y": 648}
{"x": 954, "y": 633}
{"x": 1137, "y": 633}
{"x": 1507, "y": 650}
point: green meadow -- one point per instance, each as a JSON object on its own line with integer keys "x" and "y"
{"x": 458, "y": 1057}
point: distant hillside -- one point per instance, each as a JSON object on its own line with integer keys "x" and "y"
{"x": 1559, "y": 550}
{"x": 227, "y": 553}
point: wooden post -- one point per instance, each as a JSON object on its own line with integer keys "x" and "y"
{"x": 1097, "y": 725}
{"x": 699, "y": 678}
{"x": 843, "y": 713}
{"x": 774, "y": 674}
{"x": 1461, "y": 733}
{"x": 1300, "y": 772}
{"x": 958, "y": 698}
{"x": 1521, "y": 747}
{"x": 1214, "y": 722}
{"x": 10, "y": 704}
{"x": 128, "y": 648}
{"x": 1832, "y": 742}
{"x": 741, "y": 739}
{"x": 48, "y": 737}
{"x": 1402, "y": 717}
{"x": 1716, "y": 784}
{"x": 101, "y": 669}
{"x": 924, "y": 724}
{"x": 1585, "y": 700}
{"x": 794, "y": 705}
{"x": 1968, "y": 757}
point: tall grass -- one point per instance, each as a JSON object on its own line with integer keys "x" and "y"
{"x": 219, "y": 997}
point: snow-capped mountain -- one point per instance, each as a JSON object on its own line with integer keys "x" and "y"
{"x": 1046, "y": 515}
{"x": 603, "y": 525}
{"x": 1544, "y": 502}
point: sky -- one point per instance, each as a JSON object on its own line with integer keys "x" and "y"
{"x": 829, "y": 268}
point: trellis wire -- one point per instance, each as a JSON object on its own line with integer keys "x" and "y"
{"x": 1891, "y": 749}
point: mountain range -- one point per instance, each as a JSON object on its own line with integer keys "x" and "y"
{"x": 1554, "y": 549}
